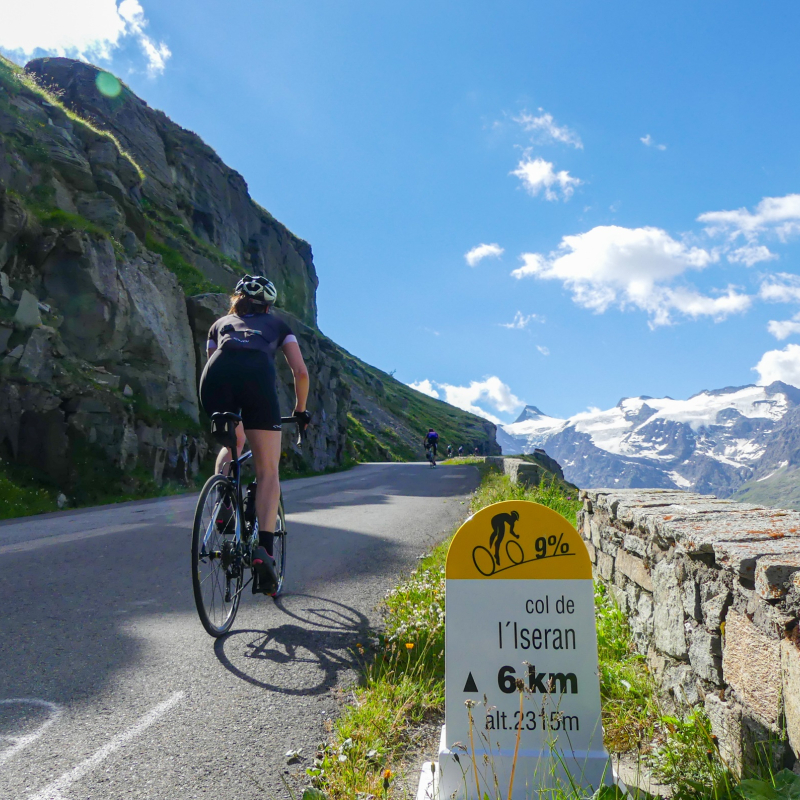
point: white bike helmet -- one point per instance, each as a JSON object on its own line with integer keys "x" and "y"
{"x": 258, "y": 288}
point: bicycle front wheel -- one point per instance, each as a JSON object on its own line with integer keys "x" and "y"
{"x": 279, "y": 548}
{"x": 216, "y": 562}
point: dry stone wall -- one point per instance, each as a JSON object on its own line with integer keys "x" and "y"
{"x": 712, "y": 592}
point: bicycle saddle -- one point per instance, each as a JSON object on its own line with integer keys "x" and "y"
{"x": 223, "y": 427}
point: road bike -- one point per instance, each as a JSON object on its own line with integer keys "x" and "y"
{"x": 430, "y": 454}
{"x": 225, "y": 534}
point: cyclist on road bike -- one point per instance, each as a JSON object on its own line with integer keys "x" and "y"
{"x": 449, "y": 451}
{"x": 431, "y": 440}
{"x": 240, "y": 377}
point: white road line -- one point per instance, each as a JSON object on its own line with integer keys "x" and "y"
{"x": 54, "y": 790}
{"x": 49, "y": 541}
{"x": 23, "y": 741}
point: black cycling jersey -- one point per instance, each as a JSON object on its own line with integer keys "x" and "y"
{"x": 240, "y": 373}
{"x": 262, "y": 332}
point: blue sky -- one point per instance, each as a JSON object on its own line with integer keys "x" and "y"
{"x": 595, "y": 145}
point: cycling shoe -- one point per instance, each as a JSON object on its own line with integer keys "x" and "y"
{"x": 265, "y": 579}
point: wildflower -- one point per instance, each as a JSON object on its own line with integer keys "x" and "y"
{"x": 409, "y": 645}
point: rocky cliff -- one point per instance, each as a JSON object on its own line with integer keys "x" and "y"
{"x": 120, "y": 234}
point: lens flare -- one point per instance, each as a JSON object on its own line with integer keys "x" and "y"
{"x": 107, "y": 84}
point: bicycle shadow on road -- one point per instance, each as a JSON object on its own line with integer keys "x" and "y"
{"x": 303, "y": 658}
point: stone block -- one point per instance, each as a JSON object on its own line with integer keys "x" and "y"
{"x": 15, "y": 354}
{"x": 591, "y": 551}
{"x": 774, "y": 573}
{"x": 705, "y": 655}
{"x": 5, "y": 335}
{"x": 635, "y": 569}
{"x": 726, "y": 725}
{"x": 690, "y": 594}
{"x": 715, "y": 608}
{"x": 790, "y": 667}
{"x": 749, "y": 667}
{"x": 27, "y": 313}
{"x": 635, "y": 544}
{"x": 36, "y": 363}
{"x": 595, "y": 528}
{"x": 668, "y": 629}
{"x": 641, "y": 621}
{"x": 621, "y": 598}
{"x": 605, "y": 566}
{"x": 609, "y": 547}
{"x": 5, "y": 287}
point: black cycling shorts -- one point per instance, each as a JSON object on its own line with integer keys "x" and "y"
{"x": 242, "y": 381}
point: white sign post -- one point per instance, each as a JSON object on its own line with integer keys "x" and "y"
{"x": 522, "y": 691}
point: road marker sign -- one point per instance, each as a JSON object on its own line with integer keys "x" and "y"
{"x": 520, "y": 624}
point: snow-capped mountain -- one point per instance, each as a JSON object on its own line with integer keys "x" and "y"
{"x": 714, "y": 442}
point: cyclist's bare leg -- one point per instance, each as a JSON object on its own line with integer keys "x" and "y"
{"x": 224, "y": 455}
{"x": 266, "y": 447}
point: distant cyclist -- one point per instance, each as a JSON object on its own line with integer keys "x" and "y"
{"x": 431, "y": 440}
{"x": 460, "y": 450}
{"x": 449, "y": 451}
{"x": 240, "y": 377}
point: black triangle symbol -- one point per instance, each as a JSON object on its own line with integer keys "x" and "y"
{"x": 470, "y": 686}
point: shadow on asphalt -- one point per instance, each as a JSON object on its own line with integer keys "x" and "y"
{"x": 302, "y": 658}
{"x": 420, "y": 481}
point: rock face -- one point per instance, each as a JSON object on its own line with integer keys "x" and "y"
{"x": 711, "y": 589}
{"x": 115, "y": 255}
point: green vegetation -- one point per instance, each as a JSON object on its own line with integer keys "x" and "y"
{"x": 626, "y": 688}
{"x": 190, "y": 278}
{"x": 781, "y": 490}
{"x": 52, "y": 217}
{"x": 15, "y": 80}
{"x": 20, "y": 499}
{"x": 363, "y": 445}
{"x": 92, "y": 480}
{"x": 398, "y": 417}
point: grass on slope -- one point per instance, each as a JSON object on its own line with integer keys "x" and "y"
{"x": 780, "y": 490}
{"x": 398, "y": 416}
{"x": 15, "y": 79}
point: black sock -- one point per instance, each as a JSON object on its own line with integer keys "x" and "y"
{"x": 266, "y": 540}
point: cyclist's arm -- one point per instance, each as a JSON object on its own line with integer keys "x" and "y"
{"x": 295, "y": 358}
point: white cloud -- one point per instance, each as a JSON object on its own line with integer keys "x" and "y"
{"x": 426, "y": 387}
{"x": 615, "y": 266}
{"x": 750, "y": 254}
{"x": 537, "y": 175}
{"x": 782, "y": 287}
{"x": 84, "y": 29}
{"x": 482, "y": 251}
{"x": 546, "y": 129}
{"x": 545, "y": 351}
{"x": 783, "y": 329}
{"x": 778, "y": 214}
{"x": 520, "y": 321}
{"x": 780, "y": 365}
{"x": 647, "y": 141}
{"x": 491, "y": 391}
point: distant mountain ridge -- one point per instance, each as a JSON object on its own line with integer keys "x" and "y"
{"x": 719, "y": 441}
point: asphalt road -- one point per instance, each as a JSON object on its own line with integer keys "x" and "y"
{"x": 110, "y": 687}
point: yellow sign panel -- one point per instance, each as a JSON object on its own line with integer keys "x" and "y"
{"x": 517, "y": 539}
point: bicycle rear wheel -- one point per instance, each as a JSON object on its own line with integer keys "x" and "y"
{"x": 216, "y": 562}
{"x": 279, "y": 548}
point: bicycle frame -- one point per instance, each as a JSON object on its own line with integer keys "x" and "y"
{"x": 235, "y": 475}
